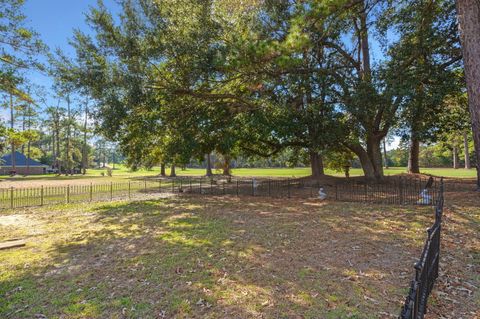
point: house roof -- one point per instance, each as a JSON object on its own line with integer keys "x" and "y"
{"x": 20, "y": 160}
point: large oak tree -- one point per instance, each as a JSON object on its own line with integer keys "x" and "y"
{"x": 469, "y": 26}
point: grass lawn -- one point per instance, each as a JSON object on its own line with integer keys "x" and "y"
{"x": 450, "y": 172}
{"x": 306, "y": 171}
{"x": 210, "y": 258}
{"x": 123, "y": 174}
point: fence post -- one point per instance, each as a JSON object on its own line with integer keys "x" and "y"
{"x": 253, "y": 188}
{"x": 400, "y": 186}
{"x": 237, "y": 187}
{"x": 200, "y": 186}
{"x": 91, "y": 191}
{"x": 269, "y": 188}
{"x": 68, "y": 194}
{"x": 11, "y": 197}
{"x": 129, "y": 190}
{"x": 211, "y": 186}
{"x": 288, "y": 187}
{"x": 173, "y": 186}
{"x": 223, "y": 186}
{"x": 41, "y": 196}
{"x": 145, "y": 185}
{"x": 111, "y": 190}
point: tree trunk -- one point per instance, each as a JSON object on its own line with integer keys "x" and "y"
{"x": 172, "y": 171}
{"x": 29, "y": 141}
{"x": 12, "y": 125}
{"x": 385, "y": 158}
{"x": 413, "y": 156}
{"x": 364, "y": 44}
{"x": 53, "y": 148}
{"x": 371, "y": 156}
{"x": 316, "y": 163}
{"x": 162, "y": 169}
{"x": 68, "y": 146}
{"x": 469, "y": 27}
{"x": 14, "y": 165}
{"x": 57, "y": 161}
{"x": 455, "y": 157}
{"x": 365, "y": 161}
{"x": 57, "y": 136}
{"x": 466, "y": 151}
{"x": 28, "y": 158}
{"x": 209, "y": 165}
{"x": 347, "y": 171}
{"x": 84, "y": 148}
{"x": 226, "y": 165}
{"x": 23, "y": 128}
{"x": 375, "y": 155}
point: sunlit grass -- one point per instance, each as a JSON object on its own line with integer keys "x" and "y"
{"x": 122, "y": 173}
{"x": 212, "y": 258}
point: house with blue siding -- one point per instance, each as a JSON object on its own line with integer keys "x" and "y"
{"x": 21, "y": 165}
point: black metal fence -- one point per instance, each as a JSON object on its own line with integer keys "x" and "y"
{"x": 426, "y": 269}
{"x": 49, "y": 195}
{"x": 460, "y": 186}
{"x": 396, "y": 191}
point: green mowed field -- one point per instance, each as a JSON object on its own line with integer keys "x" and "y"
{"x": 122, "y": 173}
{"x": 306, "y": 171}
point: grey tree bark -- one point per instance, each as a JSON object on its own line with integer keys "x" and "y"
{"x": 226, "y": 166}
{"x": 172, "y": 171}
{"x": 316, "y": 163}
{"x": 413, "y": 156}
{"x": 84, "y": 146}
{"x": 469, "y": 27}
{"x": 456, "y": 164}
{"x": 466, "y": 151}
{"x": 12, "y": 124}
{"x": 209, "y": 165}
{"x": 385, "y": 157}
{"x": 68, "y": 146}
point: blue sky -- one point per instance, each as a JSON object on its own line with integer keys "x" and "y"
{"x": 55, "y": 21}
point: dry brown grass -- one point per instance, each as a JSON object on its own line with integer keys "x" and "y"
{"x": 226, "y": 257}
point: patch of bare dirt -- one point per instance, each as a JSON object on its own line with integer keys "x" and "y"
{"x": 54, "y": 182}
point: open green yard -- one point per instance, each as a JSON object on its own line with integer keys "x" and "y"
{"x": 123, "y": 174}
{"x": 306, "y": 171}
{"x": 199, "y": 257}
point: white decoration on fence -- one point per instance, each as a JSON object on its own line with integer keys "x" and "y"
{"x": 321, "y": 194}
{"x": 255, "y": 185}
{"x": 425, "y": 198}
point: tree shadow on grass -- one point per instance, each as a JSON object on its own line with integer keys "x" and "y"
{"x": 225, "y": 258}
